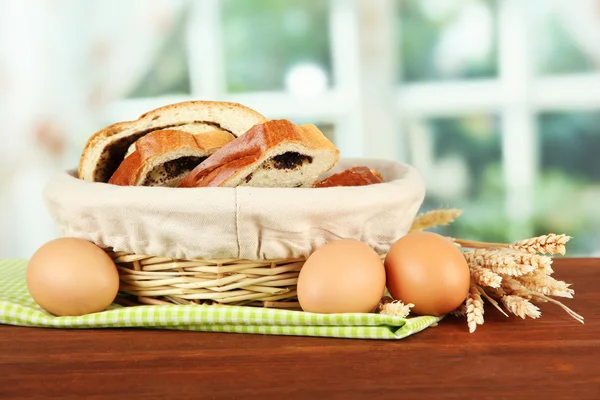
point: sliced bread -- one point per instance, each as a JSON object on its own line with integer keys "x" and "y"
{"x": 106, "y": 149}
{"x": 276, "y": 153}
{"x": 163, "y": 158}
{"x": 194, "y": 128}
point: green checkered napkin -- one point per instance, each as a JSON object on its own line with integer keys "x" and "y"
{"x": 18, "y": 308}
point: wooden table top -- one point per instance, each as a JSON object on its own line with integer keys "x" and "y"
{"x": 553, "y": 357}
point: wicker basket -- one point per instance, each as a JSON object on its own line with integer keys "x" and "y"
{"x": 160, "y": 280}
{"x": 193, "y": 246}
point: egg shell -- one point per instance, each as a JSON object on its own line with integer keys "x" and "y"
{"x": 71, "y": 277}
{"x": 343, "y": 276}
{"x": 429, "y": 271}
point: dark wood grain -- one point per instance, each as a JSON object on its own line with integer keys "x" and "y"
{"x": 554, "y": 357}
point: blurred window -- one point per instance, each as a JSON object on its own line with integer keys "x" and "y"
{"x": 461, "y": 162}
{"x": 448, "y": 39}
{"x": 567, "y": 193}
{"x": 169, "y": 73}
{"x": 489, "y": 103}
{"x": 568, "y": 36}
{"x": 272, "y": 45}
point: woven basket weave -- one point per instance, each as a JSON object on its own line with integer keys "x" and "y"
{"x": 160, "y": 280}
{"x": 234, "y": 282}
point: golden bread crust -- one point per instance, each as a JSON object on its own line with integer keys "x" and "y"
{"x": 356, "y": 176}
{"x": 157, "y": 143}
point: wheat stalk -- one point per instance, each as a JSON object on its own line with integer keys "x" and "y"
{"x": 546, "y": 244}
{"x": 396, "y": 308}
{"x": 434, "y": 218}
{"x": 547, "y": 285}
{"x": 490, "y": 299}
{"x": 498, "y": 261}
{"x": 474, "y": 244}
{"x": 519, "y": 289}
{"x": 512, "y": 286}
{"x": 474, "y": 309}
{"x": 535, "y": 260}
{"x": 572, "y": 313}
{"x": 485, "y": 277}
{"x": 520, "y": 306}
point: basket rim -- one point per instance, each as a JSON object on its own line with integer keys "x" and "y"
{"x": 244, "y": 223}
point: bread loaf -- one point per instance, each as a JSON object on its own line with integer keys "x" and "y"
{"x": 163, "y": 158}
{"x": 276, "y": 153}
{"x": 356, "y": 176}
{"x": 106, "y": 149}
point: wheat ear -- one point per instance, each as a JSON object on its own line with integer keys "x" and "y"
{"x": 396, "y": 308}
{"x": 547, "y": 285}
{"x": 538, "y": 261}
{"x": 475, "y": 309}
{"x": 485, "y": 277}
{"x": 498, "y": 261}
{"x": 520, "y": 306}
{"x": 514, "y": 287}
{"x": 434, "y": 218}
{"x": 546, "y": 244}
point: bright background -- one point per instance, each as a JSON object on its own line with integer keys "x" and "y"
{"x": 497, "y": 103}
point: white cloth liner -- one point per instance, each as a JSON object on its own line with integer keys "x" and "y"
{"x": 240, "y": 223}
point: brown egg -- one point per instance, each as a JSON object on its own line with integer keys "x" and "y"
{"x": 70, "y": 276}
{"x": 429, "y": 271}
{"x": 343, "y": 276}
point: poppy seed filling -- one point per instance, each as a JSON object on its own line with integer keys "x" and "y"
{"x": 290, "y": 160}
